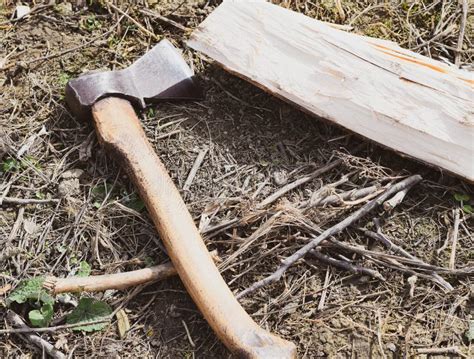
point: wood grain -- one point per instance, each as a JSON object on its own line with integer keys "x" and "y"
{"x": 120, "y": 131}
{"x": 410, "y": 103}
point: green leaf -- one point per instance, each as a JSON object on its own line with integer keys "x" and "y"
{"x": 461, "y": 197}
{"x": 468, "y": 208}
{"x": 135, "y": 202}
{"x": 99, "y": 192}
{"x": 41, "y": 317}
{"x": 40, "y": 195}
{"x": 30, "y": 161}
{"x": 89, "y": 310}
{"x": 151, "y": 112}
{"x": 30, "y": 289}
{"x": 84, "y": 269}
{"x": 10, "y": 164}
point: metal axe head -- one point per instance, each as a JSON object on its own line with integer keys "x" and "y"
{"x": 161, "y": 74}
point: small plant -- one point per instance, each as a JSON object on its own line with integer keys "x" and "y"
{"x": 31, "y": 291}
{"x": 10, "y": 165}
{"x": 63, "y": 79}
{"x": 91, "y": 23}
{"x": 462, "y": 198}
{"x": 113, "y": 41}
{"x": 88, "y": 312}
{"x": 84, "y": 269}
{"x": 94, "y": 314}
{"x": 41, "y": 317}
{"x": 151, "y": 113}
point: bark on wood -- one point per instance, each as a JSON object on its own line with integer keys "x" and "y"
{"x": 109, "y": 281}
{"x": 413, "y": 104}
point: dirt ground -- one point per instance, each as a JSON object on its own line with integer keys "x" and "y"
{"x": 256, "y": 144}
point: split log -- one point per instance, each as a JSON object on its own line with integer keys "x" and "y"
{"x": 415, "y": 105}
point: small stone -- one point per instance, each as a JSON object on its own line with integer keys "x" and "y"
{"x": 30, "y": 226}
{"x": 392, "y": 347}
{"x": 68, "y": 188}
{"x": 22, "y": 11}
{"x": 64, "y": 8}
{"x": 74, "y": 173}
{"x": 289, "y": 308}
{"x": 280, "y": 177}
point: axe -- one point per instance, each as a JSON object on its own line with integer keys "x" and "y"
{"x": 108, "y": 97}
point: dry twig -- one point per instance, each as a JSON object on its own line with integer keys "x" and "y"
{"x": 164, "y": 19}
{"x": 300, "y": 181}
{"x": 140, "y": 26}
{"x": 380, "y": 237}
{"x": 197, "y": 164}
{"x": 454, "y": 235}
{"x": 439, "y": 351}
{"x": 462, "y": 29}
{"x": 345, "y": 265}
{"x": 289, "y": 261}
{"x": 16, "y": 321}
{"x": 25, "y": 201}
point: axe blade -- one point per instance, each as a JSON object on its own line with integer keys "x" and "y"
{"x": 159, "y": 75}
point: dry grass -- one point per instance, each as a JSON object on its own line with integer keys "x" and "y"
{"x": 256, "y": 144}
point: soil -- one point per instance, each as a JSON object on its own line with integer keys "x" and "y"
{"x": 257, "y": 144}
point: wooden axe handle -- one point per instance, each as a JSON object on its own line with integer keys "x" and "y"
{"x": 120, "y": 130}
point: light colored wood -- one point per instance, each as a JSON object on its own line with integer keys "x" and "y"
{"x": 98, "y": 283}
{"x": 118, "y": 281}
{"x": 413, "y": 104}
{"x": 120, "y": 131}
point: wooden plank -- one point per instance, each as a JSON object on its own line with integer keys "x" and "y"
{"x": 413, "y": 104}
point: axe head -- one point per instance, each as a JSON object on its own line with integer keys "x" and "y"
{"x": 159, "y": 75}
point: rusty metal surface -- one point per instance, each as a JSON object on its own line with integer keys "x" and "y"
{"x": 159, "y": 75}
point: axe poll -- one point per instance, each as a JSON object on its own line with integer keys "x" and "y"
{"x": 109, "y": 99}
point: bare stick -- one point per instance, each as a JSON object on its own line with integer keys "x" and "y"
{"x": 346, "y": 265}
{"x": 421, "y": 266}
{"x": 447, "y": 350}
{"x": 361, "y": 212}
{"x": 348, "y": 195}
{"x": 300, "y": 181}
{"x": 395, "y": 200}
{"x": 140, "y": 26}
{"x": 197, "y": 164}
{"x": 457, "y": 58}
{"x": 324, "y": 293}
{"x": 16, "y": 226}
{"x": 27, "y": 329}
{"x": 380, "y": 237}
{"x": 109, "y": 281}
{"x": 24, "y": 201}
{"x": 454, "y": 235}
{"x": 17, "y": 321}
{"x": 164, "y": 19}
